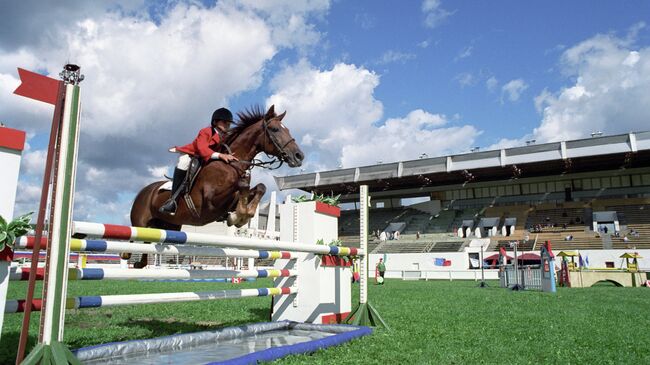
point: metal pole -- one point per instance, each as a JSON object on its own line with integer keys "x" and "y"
{"x": 483, "y": 284}
{"x": 516, "y": 286}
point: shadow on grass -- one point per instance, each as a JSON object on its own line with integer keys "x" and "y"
{"x": 172, "y": 327}
{"x": 10, "y": 346}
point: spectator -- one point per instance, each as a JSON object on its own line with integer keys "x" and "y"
{"x": 568, "y": 238}
{"x": 625, "y": 239}
{"x": 382, "y": 236}
{"x": 381, "y": 269}
{"x": 605, "y": 229}
{"x": 355, "y": 271}
{"x": 417, "y": 235}
{"x": 397, "y": 235}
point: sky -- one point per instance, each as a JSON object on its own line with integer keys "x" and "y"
{"x": 361, "y": 81}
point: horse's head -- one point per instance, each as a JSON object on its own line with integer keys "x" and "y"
{"x": 277, "y": 140}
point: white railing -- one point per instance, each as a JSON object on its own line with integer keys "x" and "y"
{"x": 441, "y": 274}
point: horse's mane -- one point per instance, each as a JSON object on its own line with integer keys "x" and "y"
{"x": 246, "y": 118}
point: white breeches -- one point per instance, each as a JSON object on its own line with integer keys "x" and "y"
{"x": 183, "y": 162}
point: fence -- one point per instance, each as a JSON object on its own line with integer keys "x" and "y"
{"x": 529, "y": 277}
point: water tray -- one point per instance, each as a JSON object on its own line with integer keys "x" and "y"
{"x": 234, "y": 345}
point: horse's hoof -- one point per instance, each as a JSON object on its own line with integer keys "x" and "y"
{"x": 125, "y": 255}
{"x": 232, "y": 219}
{"x": 139, "y": 265}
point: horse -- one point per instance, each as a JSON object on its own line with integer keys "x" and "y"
{"x": 221, "y": 187}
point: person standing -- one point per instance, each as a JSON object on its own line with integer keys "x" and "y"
{"x": 381, "y": 269}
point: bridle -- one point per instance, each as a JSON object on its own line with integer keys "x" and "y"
{"x": 275, "y": 162}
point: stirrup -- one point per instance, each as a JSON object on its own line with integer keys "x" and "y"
{"x": 169, "y": 207}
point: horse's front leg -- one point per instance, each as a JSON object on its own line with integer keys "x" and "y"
{"x": 243, "y": 196}
{"x": 256, "y": 196}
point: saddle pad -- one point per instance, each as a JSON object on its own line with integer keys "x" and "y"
{"x": 165, "y": 186}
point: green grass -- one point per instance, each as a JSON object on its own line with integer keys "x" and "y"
{"x": 435, "y": 322}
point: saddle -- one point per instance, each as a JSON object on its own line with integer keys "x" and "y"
{"x": 196, "y": 165}
{"x": 187, "y": 184}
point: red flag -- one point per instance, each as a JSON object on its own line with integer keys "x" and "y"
{"x": 38, "y": 87}
{"x": 447, "y": 263}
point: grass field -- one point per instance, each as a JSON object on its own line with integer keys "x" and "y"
{"x": 435, "y": 322}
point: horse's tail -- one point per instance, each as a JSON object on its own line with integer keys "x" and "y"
{"x": 141, "y": 211}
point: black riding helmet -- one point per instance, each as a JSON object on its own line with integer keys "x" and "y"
{"x": 222, "y": 114}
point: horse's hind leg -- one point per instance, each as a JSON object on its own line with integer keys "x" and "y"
{"x": 141, "y": 217}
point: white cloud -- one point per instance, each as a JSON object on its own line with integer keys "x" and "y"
{"x": 337, "y": 108}
{"x": 330, "y": 105}
{"x": 465, "y": 52}
{"x": 492, "y": 83}
{"x": 407, "y": 138}
{"x": 465, "y": 79}
{"x": 513, "y": 89}
{"x": 150, "y": 83}
{"x": 434, "y": 14}
{"x": 610, "y": 91}
{"x": 33, "y": 162}
{"x": 391, "y": 56}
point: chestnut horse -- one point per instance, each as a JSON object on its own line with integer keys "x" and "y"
{"x": 221, "y": 190}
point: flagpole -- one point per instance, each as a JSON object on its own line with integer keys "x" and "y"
{"x": 483, "y": 284}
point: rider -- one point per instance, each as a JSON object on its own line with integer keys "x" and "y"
{"x": 204, "y": 146}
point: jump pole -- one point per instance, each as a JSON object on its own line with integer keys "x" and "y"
{"x": 102, "y": 246}
{"x": 364, "y": 314}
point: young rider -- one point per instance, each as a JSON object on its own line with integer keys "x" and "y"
{"x": 204, "y": 146}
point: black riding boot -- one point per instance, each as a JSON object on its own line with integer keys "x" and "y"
{"x": 170, "y": 205}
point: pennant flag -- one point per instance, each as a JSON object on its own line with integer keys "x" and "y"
{"x": 586, "y": 261}
{"x": 38, "y": 87}
{"x": 447, "y": 263}
{"x": 474, "y": 263}
{"x": 582, "y": 263}
{"x": 439, "y": 262}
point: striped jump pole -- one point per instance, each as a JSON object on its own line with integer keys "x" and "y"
{"x": 126, "y": 233}
{"x": 161, "y": 249}
{"x": 16, "y": 306}
{"x": 20, "y": 274}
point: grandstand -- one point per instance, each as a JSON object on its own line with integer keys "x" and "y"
{"x": 530, "y": 194}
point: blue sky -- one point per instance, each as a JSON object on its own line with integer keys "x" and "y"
{"x": 361, "y": 81}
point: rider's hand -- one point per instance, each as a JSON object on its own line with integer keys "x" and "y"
{"x": 227, "y": 158}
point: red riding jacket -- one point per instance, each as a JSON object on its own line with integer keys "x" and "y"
{"x": 204, "y": 145}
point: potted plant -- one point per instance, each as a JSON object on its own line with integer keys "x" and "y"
{"x": 9, "y": 232}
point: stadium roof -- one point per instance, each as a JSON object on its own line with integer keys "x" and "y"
{"x": 583, "y": 155}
